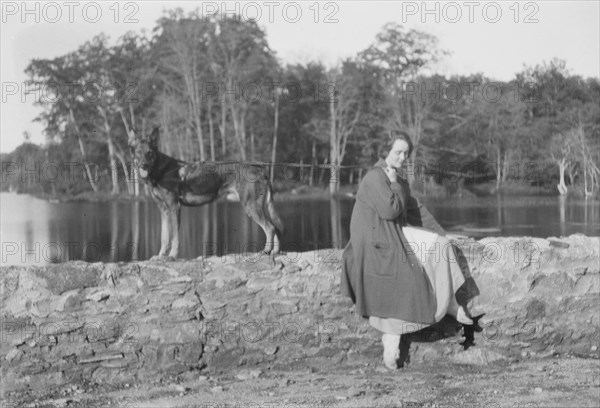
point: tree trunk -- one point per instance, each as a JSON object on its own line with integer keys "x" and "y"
{"x": 418, "y": 118}
{"x": 238, "y": 132}
{"x": 274, "y": 145}
{"x": 322, "y": 173}
{"x": 211, "y": 132}
{"x": 313, "y": 159}
{"x": 131, "y": 172}
{"x": 333, "y": 148}
{"x": 164, "y": 123}
{"x": 88, "y": 170}
{"x": 190, "y": 147}
{"x": 135, "y": 230}
{"x": 498, "y": 169}
{"x": 562, "y": 187}
{"x": 222, "y": 129}
{"x": 136, "y": 175}
{"x": 200, "y": 136}
{"x": 571, "y": 174}
{"x": 135, "y": 180}
{"x": 180, "y": 144}
{"x": 243, "y": 133}
{"x": 114, "y": 170}
{"x": 252, "y": 149}
{"x": 121, "y": 158}
{"x": 411, "y": 165}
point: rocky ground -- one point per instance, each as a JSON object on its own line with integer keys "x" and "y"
{"x": 239, "y": 331}
{"x": 532, "y": 383}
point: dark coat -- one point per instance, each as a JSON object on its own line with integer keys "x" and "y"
{"x": 381, "y": 277}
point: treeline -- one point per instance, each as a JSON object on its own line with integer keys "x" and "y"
{"x": 220, "y": 93}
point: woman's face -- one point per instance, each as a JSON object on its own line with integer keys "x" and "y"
{"x": 398, "y": 153}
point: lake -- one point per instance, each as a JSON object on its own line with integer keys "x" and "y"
{"x": 37, "y": 232}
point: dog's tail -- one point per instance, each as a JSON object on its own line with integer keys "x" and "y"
{"x": 272, "y": 213}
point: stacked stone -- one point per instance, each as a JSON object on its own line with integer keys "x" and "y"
{"x": 153, "y": 321}
{"x": 115, "y": 323}
{"x": 540, "y": 295}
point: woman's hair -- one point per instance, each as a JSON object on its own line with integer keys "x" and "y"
{"x": 388, "y": 142}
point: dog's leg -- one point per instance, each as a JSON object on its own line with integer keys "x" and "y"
{"x": 276, "y": 244}
{"x": 271, "y": 236}
{"x": 272, "y": 242}
{"x": 260, "y": 220}
{"x": 273, "y": 220}
{"x": 165, "y": 232}
{"x": 256, "y": 212}
{"x": 257, "y": 199}
{"x": 175, "y": 220}
{"x": 270, "y": 233}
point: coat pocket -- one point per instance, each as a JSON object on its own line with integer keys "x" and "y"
{"x": 382, "y": 259}
{"x": 382, "y": 246}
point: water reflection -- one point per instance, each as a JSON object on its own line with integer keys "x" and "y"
{"x": 37, "y": 232}
{"x": 591, "y": 209}
{"x": 337, "y": 238}
{"x": 499, "y": 210}
{"x": 135, "y": 230}
{"x": 24, "y": 230}
{"x": 562, "y": 204}
{"x": 519, "y": 216}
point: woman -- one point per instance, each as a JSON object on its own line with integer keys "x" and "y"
{"x": 399, "y": 268}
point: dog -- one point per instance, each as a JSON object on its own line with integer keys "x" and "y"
{"x": 174, "y": 183}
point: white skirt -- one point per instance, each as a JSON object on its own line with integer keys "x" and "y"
{"x": 441, "y": 266}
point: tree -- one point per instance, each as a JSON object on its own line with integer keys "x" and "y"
{"x": 182, "y": 45}
{"x": 246, "y": 71}
{"x": 64, "y": 75}
{"x": 27, "y": 158}
{"x": 100, "y": 85}
{"x": 278, "y": 92}
{"x": 567, "y": 106}
{"x": 134, "y": 75}
{"x": 561, "y": 152}
{"x": 574, "y": 149}
{"x": 344, "y": 114}
{"x": 402, "y": 55}
{"x": 304, "y": 130}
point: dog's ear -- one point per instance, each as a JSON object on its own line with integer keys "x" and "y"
{"x": 154, "y": 136}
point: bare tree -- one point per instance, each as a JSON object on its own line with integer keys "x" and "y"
{"x": 184, "y": 43}
{"x": 344, "y": 113}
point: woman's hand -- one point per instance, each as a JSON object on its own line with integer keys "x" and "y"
{"x": 391, "y": 173}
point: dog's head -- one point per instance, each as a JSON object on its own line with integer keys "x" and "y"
{"x": 144, "y": 150}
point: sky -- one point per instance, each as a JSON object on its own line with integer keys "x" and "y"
{"x": 497, "y": 39}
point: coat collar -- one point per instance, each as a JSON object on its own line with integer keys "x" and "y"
{"x": 381, "y": 163}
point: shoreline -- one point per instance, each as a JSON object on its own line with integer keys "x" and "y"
{"x": 301, "y": 191}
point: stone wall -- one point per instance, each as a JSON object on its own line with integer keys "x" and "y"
{"x": 80, "y": 323}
